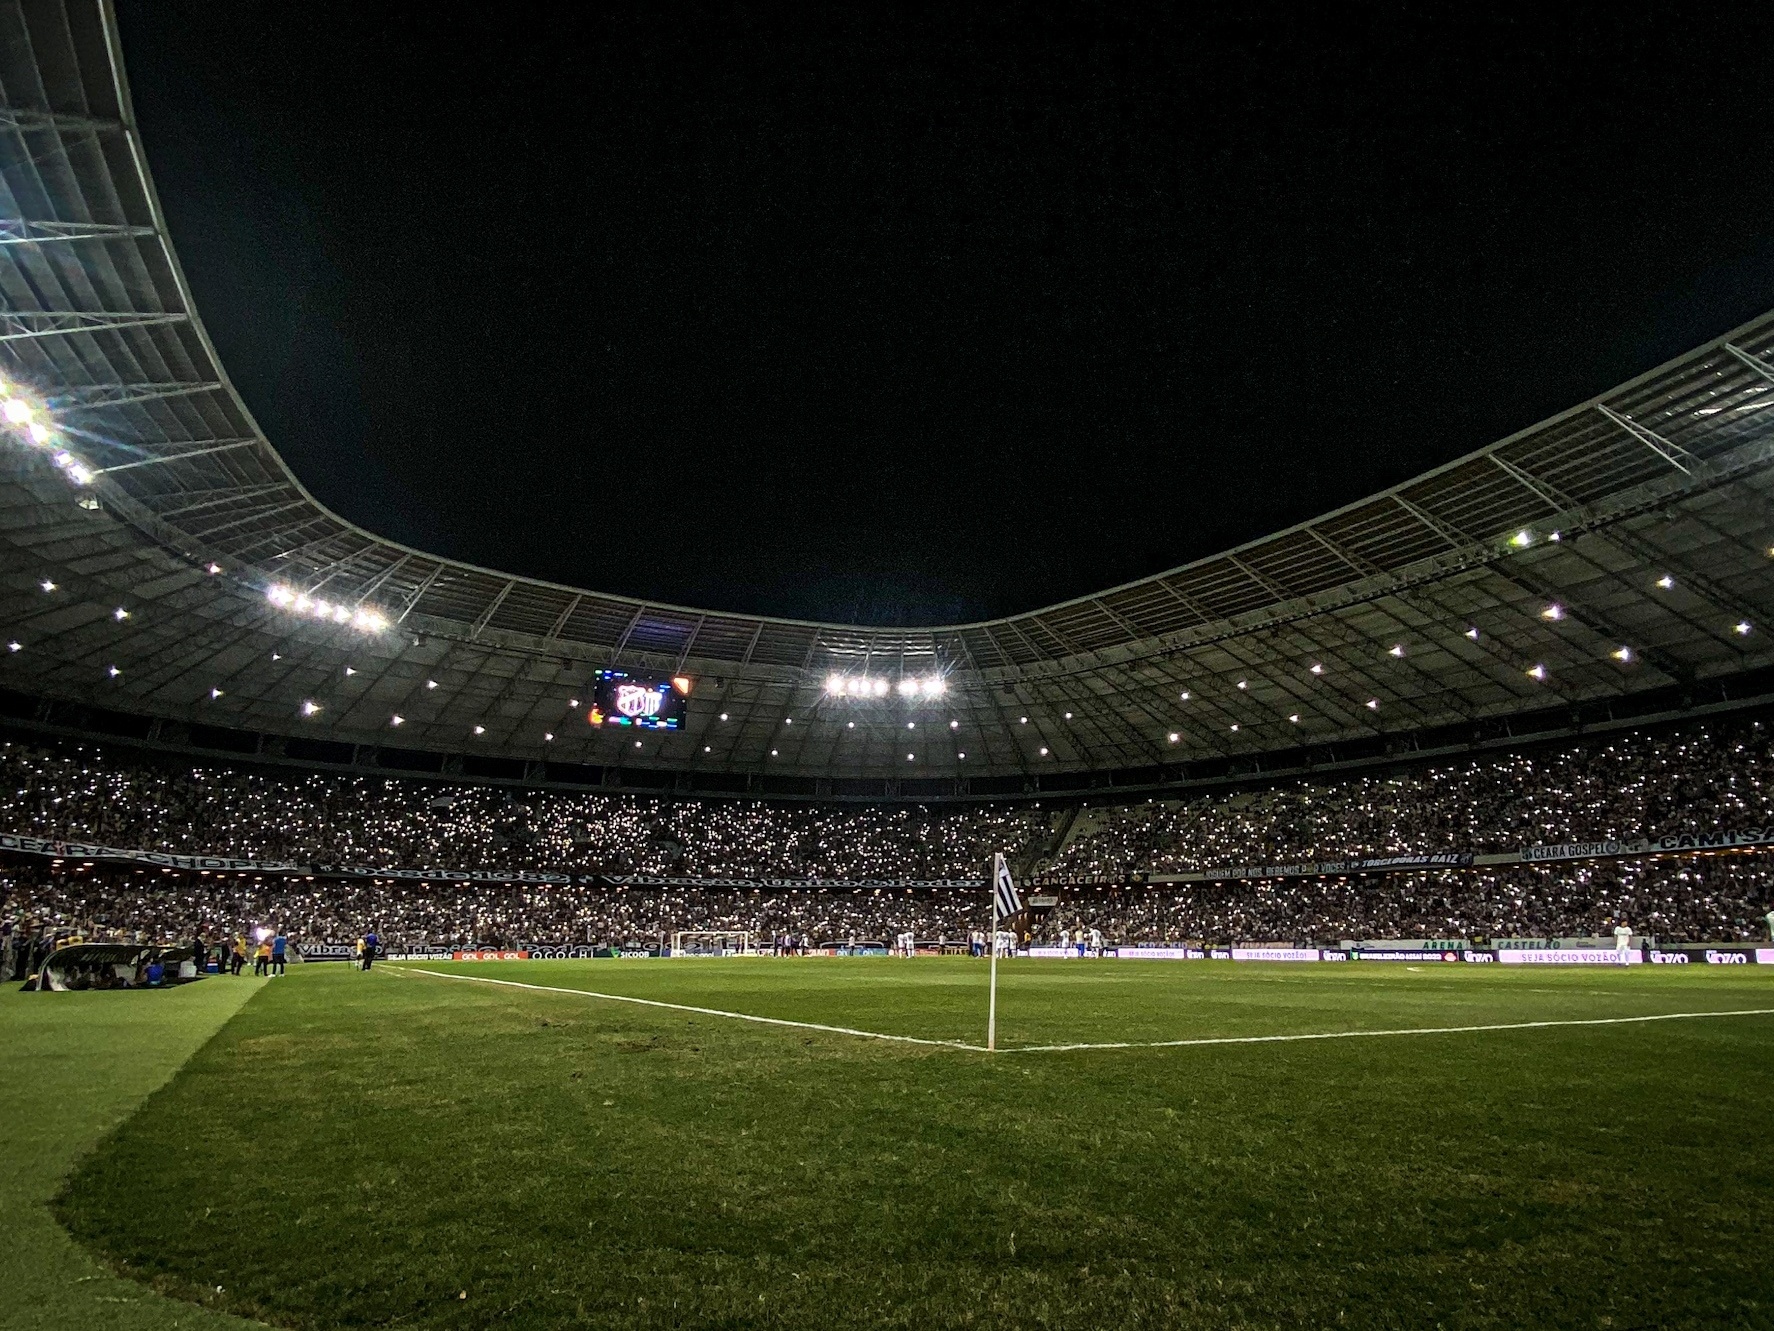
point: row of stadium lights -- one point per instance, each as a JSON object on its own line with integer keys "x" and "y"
{"x": 837, "y": 685}
{"x": 27, "y": 420}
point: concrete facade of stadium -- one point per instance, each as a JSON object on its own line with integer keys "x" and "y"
{"x": 1610, "y": 566}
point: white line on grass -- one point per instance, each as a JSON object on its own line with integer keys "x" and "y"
{"x": 704, "y": 1011}
{"x": 1069, "y": 1048}
{"x": 1354, "y": 1035}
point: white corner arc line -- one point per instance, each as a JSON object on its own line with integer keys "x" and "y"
{"x": 702, "y": 1011}
{"x": 1357, "y": 1035}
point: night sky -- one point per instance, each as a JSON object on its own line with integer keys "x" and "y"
{"x": 930, "y": 314}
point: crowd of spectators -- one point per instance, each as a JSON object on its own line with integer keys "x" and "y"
{"x": 1635, "y": 785}
{"x": 1713, "y": 898}
{"x": 1631, "y": 786}
{"x": 88, "y": 795}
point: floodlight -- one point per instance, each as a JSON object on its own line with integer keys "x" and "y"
{"x": 18, "y": 411}
{"x": 40, "y": 434}
{"x": 834, "y": 683}
{"x": 880, "y": 688}
{"x": 1522, "y": 539}
{"x": 908, "y": 686}
{"x": 80, "y": 475}
{"x": 935, "y": 687}
{"x": 681, "y": 683}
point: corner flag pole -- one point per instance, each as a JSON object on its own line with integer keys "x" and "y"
{"x": 992, "y": 1002}
{"x": 1006, "y": 902}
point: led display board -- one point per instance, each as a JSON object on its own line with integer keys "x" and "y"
{"x": 622, "y": 699}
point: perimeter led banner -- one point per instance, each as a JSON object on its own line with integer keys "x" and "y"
{"x": 1566, "y": 956}
{"x": 622, "y": 699}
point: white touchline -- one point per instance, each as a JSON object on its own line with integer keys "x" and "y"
{"x": 1070, "y": 1048}
{"x": 703, "y": 1011}
{"x": 1415, "y": 1030}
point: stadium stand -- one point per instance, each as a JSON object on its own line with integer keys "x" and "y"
{"x": 626, "y": 870}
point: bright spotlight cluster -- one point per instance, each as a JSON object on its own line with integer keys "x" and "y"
{"x": 873, "y": 686}
{"x": 358, "y": 617}
{"x": 28, "y": 421}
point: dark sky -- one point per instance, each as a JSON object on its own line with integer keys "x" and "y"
{"x": 933, "y": 313}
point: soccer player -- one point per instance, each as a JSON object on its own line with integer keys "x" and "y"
{"x": 278, "y": 946}
{"x": 1623, "y": 943}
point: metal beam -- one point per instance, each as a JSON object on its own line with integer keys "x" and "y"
{"x": 92, "y": 397}
{"x": 21, "y": 325}
{"x": 1674, "y": 454}
{"x": 25, "y": 231}
{"x": 223, "y": 446}
{"x": 491, "y": 610}
{"x": 1754, "y": 362}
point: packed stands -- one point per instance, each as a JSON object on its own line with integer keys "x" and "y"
{"x": 889, "y": 862}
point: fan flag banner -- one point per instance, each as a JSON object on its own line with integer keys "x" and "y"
{"x": 1004, "y": 891}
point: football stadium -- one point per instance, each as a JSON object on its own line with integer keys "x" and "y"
{"x": 1371, "y": 924}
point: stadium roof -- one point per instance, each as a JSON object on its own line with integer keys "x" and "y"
{"x": 1623, "y": 546}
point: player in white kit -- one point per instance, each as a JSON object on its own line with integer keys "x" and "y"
{"x": 1623, "y": 943}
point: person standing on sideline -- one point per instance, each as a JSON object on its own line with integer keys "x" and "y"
{"x": 1770, "y": 919}
{"x": 262, "y": 958}
{"x": 369, "y": 948}
{"x": 278, "y": 946}
{"x": 1623, "y": 943}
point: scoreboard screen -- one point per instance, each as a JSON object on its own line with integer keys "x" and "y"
{"x": 622, "y": 699}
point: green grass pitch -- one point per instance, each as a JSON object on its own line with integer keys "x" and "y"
{"x": 398, "y": 1149}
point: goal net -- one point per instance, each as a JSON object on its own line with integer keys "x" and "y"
{"x": 710, "y": 942}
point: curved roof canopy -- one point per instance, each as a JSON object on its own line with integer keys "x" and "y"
{"x": 1621, "y": 546}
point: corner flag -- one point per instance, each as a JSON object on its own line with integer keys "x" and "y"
{"x": 1004, "y": 894}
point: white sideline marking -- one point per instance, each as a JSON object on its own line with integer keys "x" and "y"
{"x": 1069, "y": 1048}
{"x": 704, "y": 1011}
{"x": 1415, "y": 1030}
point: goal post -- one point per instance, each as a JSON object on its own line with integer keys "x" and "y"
{"x": 710, "y": 942}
